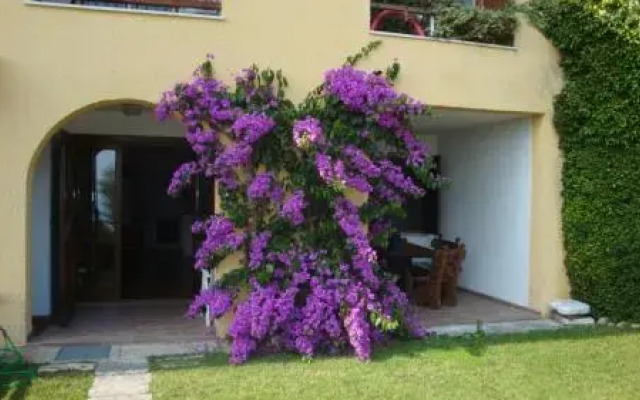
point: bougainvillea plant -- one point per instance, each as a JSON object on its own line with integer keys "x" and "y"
{"x": 287, "y": 175}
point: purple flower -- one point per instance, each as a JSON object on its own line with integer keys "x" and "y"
{"x": 394, "y": 176}
{"x": 346, "y": 215}
{"x": 219, "y": 236}
{"x": 358, "y": 90}
{"x": 378, "y": 227}
{"x": 202, "y": 141}
{"x": 417, "y": 150}
{"x": 361, "y": 162}
{"x": 324, "y": 167}
{"x": 249, "y": 128}
{"x": 260, "y": 186}
{"x": 219, "y": 302}
{"x": 339, "y": 173}
{"x": 359, "y": 183}
{"x": 277, "y": 193}
{"x": 306, "y": 132}
{"x": 256, "y": 249}
{"x": 182, "y": 178}
{"x": 330, "y": 172}
{"x": 312, "y": 303}
{"x": 293, "y": 208}
{"x": 233, "y": 156}
{"x": 359, "y": 332}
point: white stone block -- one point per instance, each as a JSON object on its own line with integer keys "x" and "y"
{"x": 66, "y": 367}
{"x": 570, "y": 307}
{"x": 573, "y": 321}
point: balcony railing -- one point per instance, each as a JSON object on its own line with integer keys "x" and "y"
{"x": 483, "y": 21}
{"x": 206, "y": 7}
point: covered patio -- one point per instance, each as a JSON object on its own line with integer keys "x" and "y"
{"x": 128, "y": 322}
{"x": 164, "y": 321}
{"x": 481, "y": 218}
{"x": 473, "y": 307}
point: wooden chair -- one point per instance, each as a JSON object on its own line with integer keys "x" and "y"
{"x": 439, "y": 286}
{"x": 454, "y": 261}
{"x": 427, "y": 286}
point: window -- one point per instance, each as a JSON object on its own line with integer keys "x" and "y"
{"x": 202, "y": 7}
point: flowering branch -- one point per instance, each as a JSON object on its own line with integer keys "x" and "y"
{"x": 284, "y": 174}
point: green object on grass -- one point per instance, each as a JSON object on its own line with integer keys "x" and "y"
{"x": 14, "y": 369}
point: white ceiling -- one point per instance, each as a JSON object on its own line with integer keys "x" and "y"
{"x": 451, "y": 119}
{"x": 112, "y": 121}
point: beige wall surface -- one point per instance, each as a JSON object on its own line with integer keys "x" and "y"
{"x": 55, "y": 61}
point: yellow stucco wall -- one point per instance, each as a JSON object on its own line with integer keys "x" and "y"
{"x": 54, "y": 61}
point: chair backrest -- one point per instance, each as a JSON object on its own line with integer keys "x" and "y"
{"x": 440, "y": 242}
{"x": 456, "y": 255}
{"x": 440, "y": 264}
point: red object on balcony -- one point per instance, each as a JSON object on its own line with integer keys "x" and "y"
{"x": 405, "y": 15}
{"x": 491, "y": 4}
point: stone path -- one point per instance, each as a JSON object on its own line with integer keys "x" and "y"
{"x": 125, "y": 373}
{"x": 115, "y": 381}
{"x": 498, "y": 327}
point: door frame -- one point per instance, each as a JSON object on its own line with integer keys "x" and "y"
{"x": 117, "y": 142}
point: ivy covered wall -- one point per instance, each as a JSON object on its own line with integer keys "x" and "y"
{"x": 597, "y": 117}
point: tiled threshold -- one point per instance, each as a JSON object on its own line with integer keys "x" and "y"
{"x": 138, "y": 353}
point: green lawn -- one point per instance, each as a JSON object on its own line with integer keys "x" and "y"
{"x": 581, "y": 364}
{"x": 59, "y": 386}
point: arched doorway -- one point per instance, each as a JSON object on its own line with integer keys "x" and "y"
{"x": 103, "y": 229}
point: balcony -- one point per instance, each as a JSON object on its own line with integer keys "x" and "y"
{"x": 186, "y": 7}
{"x": 482, "y": 21}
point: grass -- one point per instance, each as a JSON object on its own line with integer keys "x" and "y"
{"x": 578, "y": 363}
{"x": 68, "y": 386}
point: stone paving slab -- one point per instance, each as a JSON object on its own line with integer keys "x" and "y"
{"x": 41, "y": 354}
{"x": 498, "y": 327}
{"x": 134, "y": 352}
{"x": 83, "y": 352}
{"x": 122, "y": 368}
{"x": 146, "y": 396}
{"x": 66, "y": 367}
{"x": 120, "y": 385}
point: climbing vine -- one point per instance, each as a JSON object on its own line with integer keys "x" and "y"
{"x": 306, "y": 190}
{"x": 597, "y": 117}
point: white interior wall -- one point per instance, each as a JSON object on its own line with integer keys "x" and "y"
{"x": 41, "y": 235}
{"x": 488, "y": 205}
{"x": 99, "y": 122}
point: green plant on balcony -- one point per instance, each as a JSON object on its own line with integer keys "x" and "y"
{"x": 454, "y": 19}
{"x": 457, "y": 21}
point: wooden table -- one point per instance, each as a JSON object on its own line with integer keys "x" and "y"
{"x": 400, "y": 262}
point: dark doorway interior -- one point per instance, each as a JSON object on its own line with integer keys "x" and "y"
{"x": 156, "y": 229}
{"x": 423, "y": 214}
{"x": 117, "y": 234}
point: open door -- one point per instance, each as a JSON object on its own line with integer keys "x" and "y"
{"x": 71, "y": 226}
{"x": 65, "y": 227}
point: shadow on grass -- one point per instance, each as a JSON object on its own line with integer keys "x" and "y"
{"x": 14, "y": 387}
{"x": 13, "y": 393}
{"x": 476, "y": 344}
{"x": 479, "y": 342}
